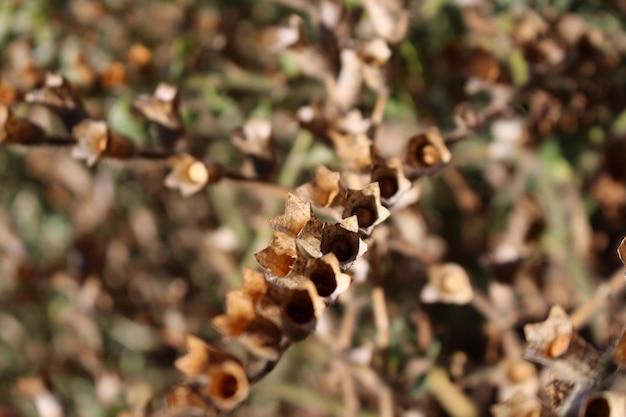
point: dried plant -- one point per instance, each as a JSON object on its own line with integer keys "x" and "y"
{"x": 452, "y": 174}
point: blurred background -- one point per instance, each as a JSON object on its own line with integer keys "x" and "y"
{"x": 103, "y": 269}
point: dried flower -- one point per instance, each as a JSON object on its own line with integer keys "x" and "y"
{"x": 190, "y": 175}
{"x": 447, "y": 283}
{"x": 94, "y": 140}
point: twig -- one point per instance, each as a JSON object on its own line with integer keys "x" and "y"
{"x": 613, "y": 287}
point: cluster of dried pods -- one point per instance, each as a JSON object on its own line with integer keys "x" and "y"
{"x": 306, "y": 262}
{"x": 326, "y": 223}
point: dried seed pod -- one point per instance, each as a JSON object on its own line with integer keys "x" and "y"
{"x": 199, "y": 355}
{"x": 297, "y": 214}
{"x": 254, "y": 285}
{"x": 228, "y": 384}
{"x": 572, "y": 361}
{"x": 309, "y": 238}
{"x": 279, "y": 257}
{"x": 189, "y": 175}
{"x": 327, "y": 277}
{"x": 604, "y": 404}
{"x": 551, "y": 338}
{"x": 311, "y": 117}
{"x": 255, "y": 139}
{"x": 427, "y": 151}
{"x": 18, "y": 131}
{"x": 517, "y": 376}
{"x": 239, "y": 314}
{"x": 447, "y": 283}
{"x": 342, "y": 239}
{"x": 162, "y": 108}
{"x": 366, "y": 206}
{"x": 300, "y": 308}
{"x": 354, "y": 150}
{"x": 263, "y": 339}
{"x": 519, "y": 405}
{"x": 95, "y": 140}
{"x": 185, "y": 397}
{"x": 391, "y": 180}
{"x": 61, "y": 97}
{"x": 324, "y": 188}
{"x": 220, "y": 377}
